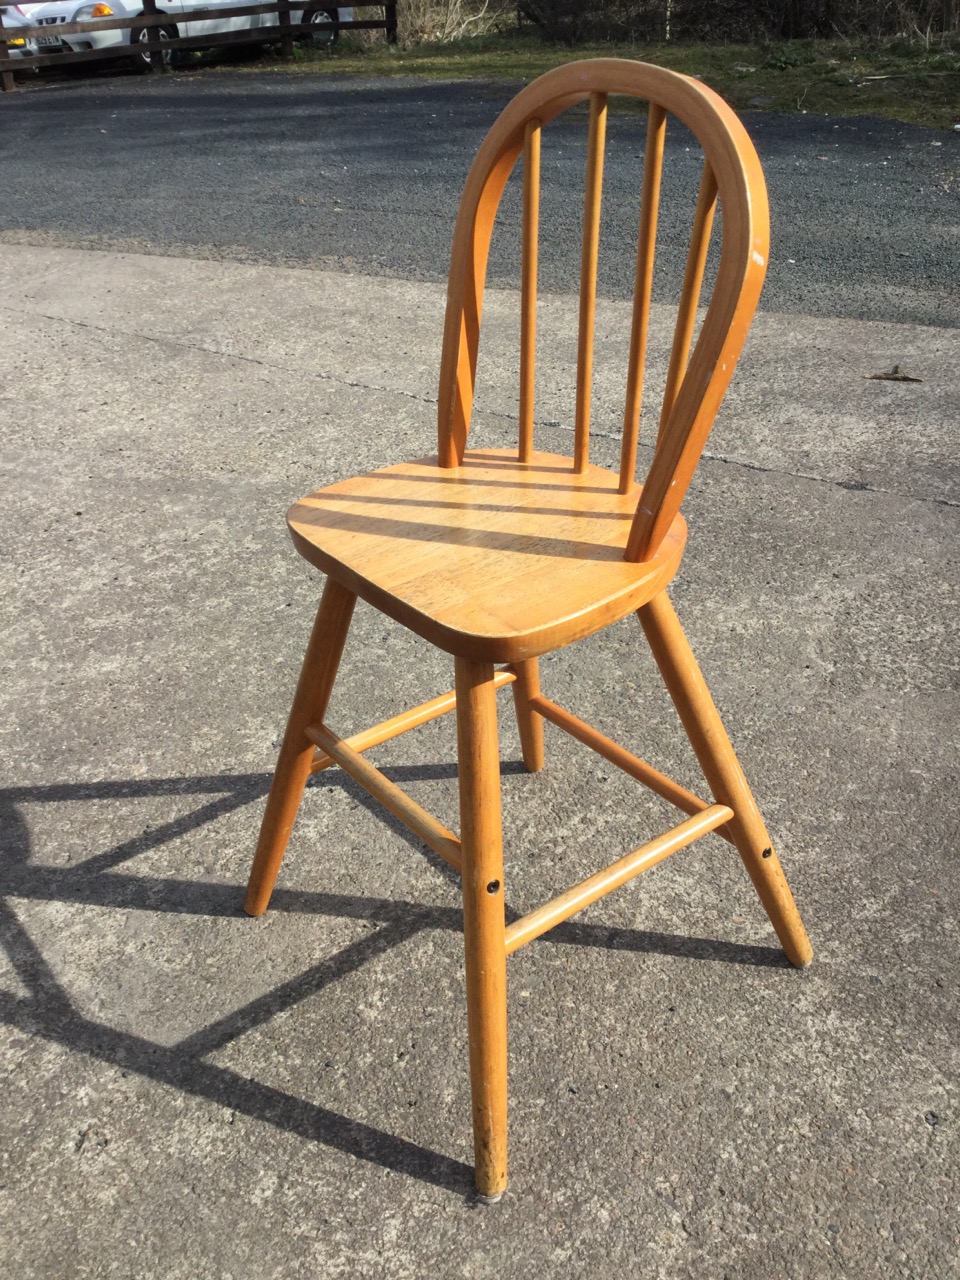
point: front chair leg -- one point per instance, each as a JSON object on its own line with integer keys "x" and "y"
{"x": 296, "y": 754}
{"x": 483, "y": 920}
{"x": 723, "y": 773}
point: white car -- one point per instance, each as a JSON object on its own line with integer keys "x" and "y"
{"x": 56, "y": 13}
{"x": 17, "y": 46}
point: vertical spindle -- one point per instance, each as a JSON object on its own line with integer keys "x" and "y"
{"x": 597, "y": 130}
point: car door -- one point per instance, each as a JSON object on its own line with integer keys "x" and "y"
{"x": 215, "y": 24}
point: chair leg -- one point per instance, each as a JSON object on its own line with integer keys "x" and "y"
{"x": 296, "y": 754}
{"x": 529, "y": 722}
{"x": 723, "y": 773}
{"x": 483, "y": 920}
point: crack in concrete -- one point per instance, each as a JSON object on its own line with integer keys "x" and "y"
{"x": 169, "y": 340}
{"x": 856, "y": 486}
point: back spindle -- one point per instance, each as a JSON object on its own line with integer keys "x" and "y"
{"x": 642, "y": 291}
{"x": 597, "y": 131}
{"x": 528, "y": 284}
{"x": 690, "y": 294}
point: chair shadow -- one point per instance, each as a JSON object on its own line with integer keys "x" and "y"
{"x": 310, "y": 512}
{"x": 47, "y": 1010}
{"x": 435, "y": 504}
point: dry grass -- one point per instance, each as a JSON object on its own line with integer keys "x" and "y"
{"x": 915, "y": 80}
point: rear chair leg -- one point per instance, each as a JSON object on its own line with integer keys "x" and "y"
{"x": 296, "y": 755}
{"x": 723, "y": 773}
{"x": 529, "y": 722}
{"x": 483, "y": 920}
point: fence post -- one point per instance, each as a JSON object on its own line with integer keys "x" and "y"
{"x": 6, "y": 77}
{"x": 153, "y": 33}
{"x": 286, "y": 36}
{"x": 390, "y": 16}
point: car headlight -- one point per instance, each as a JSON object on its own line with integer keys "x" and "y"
{"x": 92, "y": 11}
{"x": 16, "y": 44}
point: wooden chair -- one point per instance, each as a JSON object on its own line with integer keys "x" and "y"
{"x": 498, "y": 556}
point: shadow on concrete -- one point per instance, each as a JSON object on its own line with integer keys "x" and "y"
{"x": 47, "y": 1010}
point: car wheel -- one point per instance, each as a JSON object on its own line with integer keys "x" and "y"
{"x": 324, "y": 26}
{"x": 142, "y": 59}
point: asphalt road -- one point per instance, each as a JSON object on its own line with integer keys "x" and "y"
{"x": 364, "y": 175}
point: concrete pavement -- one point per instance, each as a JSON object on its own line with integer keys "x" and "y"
{"x": 194, "y": 1094}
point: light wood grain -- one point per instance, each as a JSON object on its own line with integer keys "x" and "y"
{"x": 483, "y": 919}
{"x": 730, "y": 158}
{"x": 495, "y": 560}
{"x": 526, "y": 692}
{"x": 392, "y": 797}
{"x": 690, "y": 292}
{"x": 593, "y": 195}
{"x": 528, "y": 285}
{"x": 296, "y": 754}
{"x": 721, "y": 768}
{"x": 499, "y": 555}
{"x": 642, "y": 292}
{"x": 404, "y": 722}
{"x": 617, "y": 755}
{"x": 618, "y": 873}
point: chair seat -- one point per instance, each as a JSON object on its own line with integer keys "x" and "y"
{"x": 494, "y": 560}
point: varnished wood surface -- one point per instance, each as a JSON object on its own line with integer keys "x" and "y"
{"x": 404, "y": 722}
{"x": 493, "y": 560}
{"x": 642, "y": 291}
{"x": 483, "y": 919}
{"x": 708, "y": 737}
{"x": 732, "y": 161}
{"x": 618, "y": 873}
{"x": 690, "y": 293}
{"x": 592, "y": 200}
{"x": 528, "y": 285}
{"x": 392, "y": 797}
{"x": 314, "y": 687}
{"x": 529, "y": 721}
{"x": 632, "y": 765}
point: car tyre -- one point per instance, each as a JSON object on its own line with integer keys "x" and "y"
{"x": 141, "y": 36}
{"x": 324, "y": 26}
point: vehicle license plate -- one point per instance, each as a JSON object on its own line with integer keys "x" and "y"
{"x": 48, "y": 42}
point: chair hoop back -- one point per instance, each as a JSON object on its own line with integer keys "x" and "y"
{"x": 732, "y": 178}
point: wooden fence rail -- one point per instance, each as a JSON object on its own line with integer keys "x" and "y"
{"x": 283, "y": 32}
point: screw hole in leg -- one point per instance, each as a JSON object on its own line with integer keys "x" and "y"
{"x": 493, "y": 886}
{"x": 767, "y": 853}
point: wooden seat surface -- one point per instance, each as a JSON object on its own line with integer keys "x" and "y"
{"x": 494, "y": 560}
